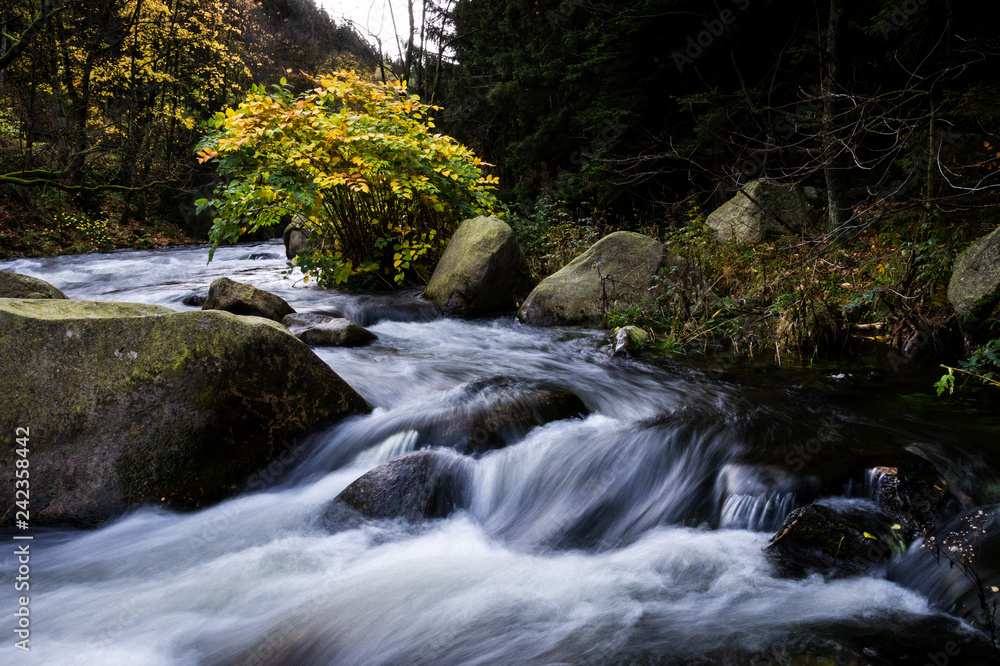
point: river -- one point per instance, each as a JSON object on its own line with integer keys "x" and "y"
{"x": 632, "y": 535}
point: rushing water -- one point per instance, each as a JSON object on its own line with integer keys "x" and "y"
{"x": 633, "y": 535}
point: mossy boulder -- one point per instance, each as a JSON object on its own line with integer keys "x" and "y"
{"x": 482, "y": 270}
{"x": 326, "y": 331}
{"x": 422, "y": 485}
{"x": 15, "y": 285}
{"x": 615, "y": 274}
{"x": 761, "y": 208}
{"x": 245, "y": 299}
{"x": 974, "y": 289}
{"x": 130, "y": 404}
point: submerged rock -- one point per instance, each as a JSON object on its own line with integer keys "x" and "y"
{"x": 130, "y": 404}
{"x": 843, "y": 537}
{"x": 326, "y": 331}
{"x": 15, "y": 285}
{"x": 496, "y": 413}
{"x": 482, "y": 270}
{"x": 761, "y": 208}
{"x": 615, "y": 274}
{"x": 245, "y": 299}
{"x": 418, "y": 486}
{"x": 974, "y": 289}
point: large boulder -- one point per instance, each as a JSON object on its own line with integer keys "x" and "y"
{"x": 421, "y": 485}
{"x": 761, "y": 208}
{"x": 129, "y": 404}
{"x": 974, "y": 289}
{"x": 482, "y": 270}
{"x": 15, "y": 285}
{"x": 326, "y": 331}
{"x": 616, "y": 273}
{"x": 245, "y": 299}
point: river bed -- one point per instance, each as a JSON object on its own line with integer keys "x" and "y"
{"x": 633, "y": 535}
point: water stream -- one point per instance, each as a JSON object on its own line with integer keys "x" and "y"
{"x": 632, "y": 535}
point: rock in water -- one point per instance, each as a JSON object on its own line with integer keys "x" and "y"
{"x": 974, "y": 289}
{"x": 629, "y": 340}
{"x": 296, "y": 237}
{"x": 195, "y": 300}
{"x": 325, "y": 331}
{"x": 129, "y": 404}
{"x": 616, "y": 273}
{"x": 759, "y": 209}
{"x": 482, "y": 270}
{"x": 421, "y": 485}
{"x": 15, "y": 285}
{"x": 245, "y": 299}
{"x": 493, "y": 413}
{"x": 848, "y": 537}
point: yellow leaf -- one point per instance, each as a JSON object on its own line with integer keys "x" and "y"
{"x": 869, "y": 536}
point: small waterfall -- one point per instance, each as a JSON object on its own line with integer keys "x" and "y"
{"x": 391, "y": 447}
{"x": 760, "y": 513}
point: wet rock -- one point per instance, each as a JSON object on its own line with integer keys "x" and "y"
{"x": 195, "y": 300}
{"x": 629, "y": 340}
{"x": 482, "y": 270}
{"x": 418, "y": 486}
{"x": 974, "y": 289}
{"x": 325, "y": 331}
{"x": 915, "y": 496}
{"x": 839, "y": 537}
{"x": 760, "y": 209}
{"x": 15, "y": 285}
{"x": 497, "y": 413}
{"x": 615, "y": 274}
{"x": 130, "y": 404}
{"x": 245, "y": 299}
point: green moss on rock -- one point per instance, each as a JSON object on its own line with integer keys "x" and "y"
{"x": 245, "y": 299}
{"x": 974, "y": 288}
{"x": 15, "y": 285}
{"x": 482, "y": 270}
{"x": 615, "y": 274}
{"x": 129, "y": 404}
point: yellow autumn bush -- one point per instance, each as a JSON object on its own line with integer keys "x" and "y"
{"x": 360, "y": 161}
